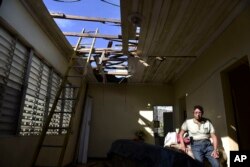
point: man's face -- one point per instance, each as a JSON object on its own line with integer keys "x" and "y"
{"x": 197, "y": 114}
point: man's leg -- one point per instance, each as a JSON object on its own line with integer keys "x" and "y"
{"x": 198, "y": 152}
{"x": 213, "y": 161}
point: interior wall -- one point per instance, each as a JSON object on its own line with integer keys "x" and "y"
{"x": 202, "y": 81}
{"x": 116, "y": 111}
{"x": 17, "y": 150}
{"x": 25, "y": 25}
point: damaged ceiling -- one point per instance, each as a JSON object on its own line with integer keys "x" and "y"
{"x": 159, "y": 41}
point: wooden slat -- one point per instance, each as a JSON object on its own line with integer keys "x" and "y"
{"x": 74, "y": 17}
{"x": 88, "y": 35}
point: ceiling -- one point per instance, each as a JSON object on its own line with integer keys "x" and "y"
{"x": 159, "y": 41}
{"x": 173, "y": 34}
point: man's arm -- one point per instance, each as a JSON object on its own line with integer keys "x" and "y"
{"x": 182, "y": 144}
{"x": 215, "y": 153}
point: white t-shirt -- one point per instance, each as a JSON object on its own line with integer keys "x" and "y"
{"x": 198, "y": 132}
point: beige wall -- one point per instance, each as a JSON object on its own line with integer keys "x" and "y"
{"x": 116, "y": 112}
{"x": 202, "y": 82}
{"x": 25, "y": 25}
{"x": 17, "y": 151}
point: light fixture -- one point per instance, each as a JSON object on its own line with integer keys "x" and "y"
{"x": 135, "y": 19}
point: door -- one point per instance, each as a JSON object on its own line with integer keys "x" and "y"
{"x": 168, "y": 122}
{"x": 84, "y": 134}
{"x": 239, "y": 79}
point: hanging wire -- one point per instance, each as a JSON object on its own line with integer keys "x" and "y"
{"x": 67, "y": 0}
{"x": 110, "y": 3}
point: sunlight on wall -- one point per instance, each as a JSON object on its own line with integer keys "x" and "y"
{"x": 141, "y": 122}
{"x": 229, "y": 145}
{"x": 149, "y": 130}
{"x": 148, "y": 115}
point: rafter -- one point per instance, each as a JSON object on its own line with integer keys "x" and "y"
{"x": 118, "y": 72}
{"x": 104, "y": 59}
{"x": 100, "y": 50}
{"x": 83, "y": 18}
{"x": 88, "y": 35}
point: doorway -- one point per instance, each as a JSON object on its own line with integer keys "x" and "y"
{"x": 163, "y": 123}
{"x": 236, "y": 91}
{"x": 239, "y": 79}
{"x": 84, "y": 132}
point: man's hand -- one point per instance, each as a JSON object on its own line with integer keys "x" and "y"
{"x": 215, "y": 154}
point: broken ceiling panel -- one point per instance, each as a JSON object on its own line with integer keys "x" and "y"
{"x": 159, "y": 39}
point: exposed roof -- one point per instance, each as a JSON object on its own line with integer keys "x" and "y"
{"x": 172, "y": 35}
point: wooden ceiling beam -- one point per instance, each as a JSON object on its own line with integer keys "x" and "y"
{"x": 82, "y": 18}
{"x": 104, "y": 59}
{"x": 113, "y": 68}
{"x": 121, "y": 73}
{"x": 117, "y": 67}
{"x": 101, "y": 50}
{"x": 129, "y": 42}
{"x": 89, "y": 35}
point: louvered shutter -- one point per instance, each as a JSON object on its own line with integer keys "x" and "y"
{"x": 13, "y": 63}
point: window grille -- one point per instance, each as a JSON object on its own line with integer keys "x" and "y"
{"x": 13, "y": 61}
{"x": 55, "y": 120}
{"x": 35, "y": 98}
{"x": 43, "y": 84}
{"x": 28, "y": 87}
{"x": 68, "y": 105}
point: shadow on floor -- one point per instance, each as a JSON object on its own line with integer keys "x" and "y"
{"x": 95, "y": 163}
